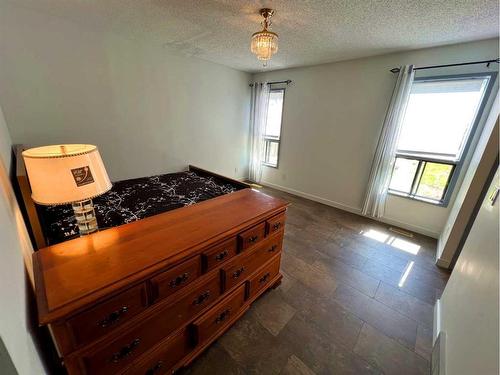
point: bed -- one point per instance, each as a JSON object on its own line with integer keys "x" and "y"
{"x": 128, "y": 201}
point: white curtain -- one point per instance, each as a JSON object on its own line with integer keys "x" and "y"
{"x": 383, "y": 161}
{"x": 258, "y": 118}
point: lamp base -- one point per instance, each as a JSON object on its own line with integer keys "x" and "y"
{"x": 85, "y": 217}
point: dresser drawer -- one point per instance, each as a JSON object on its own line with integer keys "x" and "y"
{"x": 219, "y": 316}
{"x": 243, "y": 267}
{"x": 219, "y": 254}
{"x": 164, "y": 357}
{"x": 275, "y": 223}
{"x": 251, "y": 236}
{"x": 176, "y": 278}
{"x": 114, "y": 356}
{"x": 263, "y": 278}
{"x": 107, "y": 315}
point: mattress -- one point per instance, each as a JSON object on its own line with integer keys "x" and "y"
{"x": 135, "y": 199}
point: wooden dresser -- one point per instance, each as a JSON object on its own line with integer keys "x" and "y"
{"x": 149, "y": 296}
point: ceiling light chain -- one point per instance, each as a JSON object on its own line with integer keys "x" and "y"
{"x": 266, "y": 23}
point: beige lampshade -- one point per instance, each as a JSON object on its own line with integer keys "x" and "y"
{"x": 63, "y": 174}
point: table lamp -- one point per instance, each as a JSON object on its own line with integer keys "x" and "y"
{"x": 68, "y": 174}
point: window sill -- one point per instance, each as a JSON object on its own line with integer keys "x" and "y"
{"x": 419, "y": 199}
{"x": 275, "y": 166}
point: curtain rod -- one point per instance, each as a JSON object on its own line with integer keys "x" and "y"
{"x": 487, "y": 62}
{"x": 288, "y": 81}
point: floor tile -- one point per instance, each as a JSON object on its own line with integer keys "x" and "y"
{"x": 391, "y": 260}
{"x": 295, "y": 366}
{"x": 361, "y": 249}
{"x": 388, "y": 321}
{"x": 348, "y": 275}
{"x": 272, "y": 312}
{"x": 314, "y": 277}
{"x": 320, "y": 351}
{"x": 301, "y": 249}
{"x": 344, "y": 236}
{"x": 388, "y": 355}
{"x": 422, "y": 290}
{"x": 343, "y": 254}
{"x": 348, "y": 363}
{"x": 382, "y": 272}
{"x": 215, "y": 360}
{"x": 331, "y": 319}
{"x": 301, "y": 297}
{"x": 423, "y": 345}
{"x": 253, "y": 348}
{"x": 427, "y": 276}
{"x": 406, "y": 304}
{"x": 287, "y": 281}
{"x": 340, "y": 308}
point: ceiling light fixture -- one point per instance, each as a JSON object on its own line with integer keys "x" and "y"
{"x": 264, "y": 43}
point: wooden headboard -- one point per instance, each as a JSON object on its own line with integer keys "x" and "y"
{"x": 204, "y": 172}
{"x": 28, "y": 207}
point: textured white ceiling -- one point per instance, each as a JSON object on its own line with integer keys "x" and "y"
{"x": 310, "y": 31}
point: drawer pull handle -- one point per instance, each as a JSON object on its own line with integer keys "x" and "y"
{"x": 155, "y": 368}
{"x": 253, "y": 239}
{"x": 272, "y": 249}
{"x": 201, "y": 298}
{"x": 264, "y": 278}
{"x": 221, "y": 256}
{"x": 125, "y": 351}
{"x": 238, "y": 273}
{"x": 113, "y": 317}
{"x": 223, "y": 316}
{"x": 179, "y": 280}
{"x": 276, "y": 226}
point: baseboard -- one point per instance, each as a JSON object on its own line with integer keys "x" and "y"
{"x": 313, "y": 197}
{"x": 355, "y": 210}
{"x": 438, "y": 355}
{"x": 438, "y": 363}
{"x": 436, "y": 328}
{"x": 443, "y": 263}
{"x": 413, "y": 228}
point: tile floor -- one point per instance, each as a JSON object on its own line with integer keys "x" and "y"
{"x": 355, "y": 299}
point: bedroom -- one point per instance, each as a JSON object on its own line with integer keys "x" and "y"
{"x": 161, "y": 85}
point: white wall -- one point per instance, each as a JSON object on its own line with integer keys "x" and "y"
{"x": 468, "y": 308}
{"x": 148, "y": 109}
{"x": 332, "y": 118}
{"x": 484, "y": 157}
{"x": 15, "y": 268}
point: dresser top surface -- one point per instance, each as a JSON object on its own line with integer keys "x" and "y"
{"x": 75, "y": 273}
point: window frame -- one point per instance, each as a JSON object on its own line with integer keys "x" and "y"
{"x": 270, "y": 139}
{"x": 417, "y": 177}
{"x": 456, "y": 164}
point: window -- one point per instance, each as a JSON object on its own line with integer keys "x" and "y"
{"x": 439, "y": 123}
{"x": 272, "y": 134}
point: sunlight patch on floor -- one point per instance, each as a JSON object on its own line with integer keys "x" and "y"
{"x": 405, "y": 274}
{"x": 404, "y": 245}
{"x": 396, "y": 242}
{"x": 376, "y": 235}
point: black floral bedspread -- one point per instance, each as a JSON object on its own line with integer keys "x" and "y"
{"x": 135, "y": 199}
